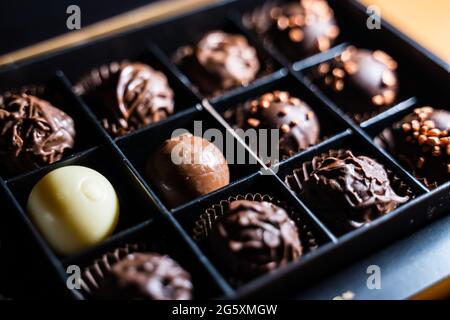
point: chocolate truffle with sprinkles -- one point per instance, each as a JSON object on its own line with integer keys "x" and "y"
{"x": 362, "y": 81}
{"x": 350, "y": 190}
{"x": 298, "y": 29}
{"x": 254, "y": 237}
{"x": 421, "y": 141}
{"x": 127, "y": 96}
{"x": 219, "y": 62}
{"x": 146, "y": 276}
{"x": 33, "y": 132}
{"x": 298, "y": 124}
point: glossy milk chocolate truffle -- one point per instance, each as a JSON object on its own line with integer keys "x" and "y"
{"x": 127, "y": 96}
{"x": 146, "y": 276}
{"x": 187, "y": 167}
{"x": 219, "y": 62}
{"x": 363, "y": 81}
{"x": 421, "y": 141}
{"x": 74, "y": 208}
{"x": 33, "y": 133}
{"x": 298, "y": 29}
{"x": 298, "y": 124}
{"x": 254, "y": 237}
{"x": 341, "y": 183}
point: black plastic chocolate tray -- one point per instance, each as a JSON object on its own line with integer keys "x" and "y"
{"x": 145, "y": 217}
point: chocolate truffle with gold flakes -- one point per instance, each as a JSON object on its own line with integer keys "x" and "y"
{"x": 360, "y": 80}
{"x": 33, "y": 132}
{"x": 421, "y": 141}
{"x": 298, "y": 29}
{"x": 127, "y": 96}
{"x": 298, "y": 124}
{"x": 219, "y": 62}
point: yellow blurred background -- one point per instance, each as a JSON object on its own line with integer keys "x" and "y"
{"x": 426, "y": 21}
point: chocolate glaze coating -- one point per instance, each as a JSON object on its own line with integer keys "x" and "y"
{"x": 361, "y": 80}
{"x": 253, "y": 238}
{"x": 298, "y": 124}
{"x": 421, "y": 141}
{"x": 202, "y": 169}
{"x": 146, "y": 276}
{"x": 341, "y": 183}
{"x": 33, "y": 133}
{"x": 127, "y": 96}
{"x": 298, "y": 29}
{"x": 219, "y": 62}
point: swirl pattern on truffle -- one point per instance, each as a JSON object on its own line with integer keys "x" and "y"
{"x": 127, "y": 96}
{"x": 253, "y": 238}
{"x": 356, "y": 186}
{"x": 33, "y": 133}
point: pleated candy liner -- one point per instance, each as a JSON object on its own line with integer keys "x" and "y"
{"x": 94, "y": 274}
{"x": 212, "y": 215}
{"x": 296, "y": 180}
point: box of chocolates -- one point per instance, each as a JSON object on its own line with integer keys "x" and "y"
{"x": 129, "y": 167}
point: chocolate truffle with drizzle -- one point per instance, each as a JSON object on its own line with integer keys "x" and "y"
{"x": 364, "y": 82}
{"x": 421, "y": 140}
{"x": 298, "y": 29}
{"x": 298, "y": 124}
{"x": 127, "y": 96}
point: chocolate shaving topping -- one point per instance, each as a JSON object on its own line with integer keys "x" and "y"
{"x": 127, "y": 96}
{"x": 146, "y": 276}
{"x": 341, "y": 183}
{"x": 254, "y": 237}
{"x": 219, "y": 62}
{"x": 33, "y": 133}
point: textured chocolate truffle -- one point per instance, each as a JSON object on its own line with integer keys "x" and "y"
{"x": 298, "y": 29}
{"x": 253, "y": 238}
{"x": 298, "y": 124}
{"x": 187, "y": 167}
{"x": 146, "y": 276}
{"x": 127, "y": 96}
{"x": 219, "y": 62}
{"x": 362, "y": 81}
{"x": 33, "y": 133}
{"x": 341, "y": 183}
{"x": 421, "y": 140}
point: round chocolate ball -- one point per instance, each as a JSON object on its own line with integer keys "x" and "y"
{"x": 421, "y": 140}
{"x": 146, "y": 276}
{"x": 297, "y": 122}
{"x": 127, "y": 96}
{"x": 362, "y": 80}
{"x": 187, "y": 167}
{"x": 298, "y": 29}
{"x": 253, "y": 238}
{"x": 219, "y": 62}
{"x": 34, "y": 133}
{"x": 341, "y": 183}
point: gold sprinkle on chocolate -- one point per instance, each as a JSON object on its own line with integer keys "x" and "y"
{"x": 406, "y": 127}
{"x": 324, "y": 68}
{"x": 421, "y": 162}
{"x": 436, "y": 151}
{"x": 388, "y": 78}
{"x": 323, "y": 43}
{"x": 422, "y": 139}
{"x": 389, "y": 96}
{"x": 415, "y": 125}
{"x": 433, "y": 141}
{"x": 283, "y": 23}
{"x": 285, "y": 128}
{"x": 333, "y": 32}
{"x": 339, "y": 85}
{"x": 434, "y": 132}
{"x": 338, "y": 73}
{"x": 296, "y": 35}
{"x": 429, "y": 123}
{"x": 351, "y": 67}
{"x": 253, "y": 122}
{"x": 378, "y": 100}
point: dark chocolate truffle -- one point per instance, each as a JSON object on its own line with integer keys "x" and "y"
{"x": 127, "y": 96}
{"x": 219, "y": 62}
{"x": 421, "y": 141}
{"x": 362, "y": 81}
{"x": 253, "y": 238}
{"x": 298, "y": 124}
{"x": 340, "y": 183}
{"x": 33, "y": 133}
{"x": 146, "y": 276}
{"x": 187, "y": 167}
{"x": 298, "y": 29}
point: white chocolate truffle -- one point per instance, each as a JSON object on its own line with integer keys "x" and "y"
{"x": 74, "y": 208}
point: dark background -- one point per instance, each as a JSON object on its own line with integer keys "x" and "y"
{"x": 23, "y": 23}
